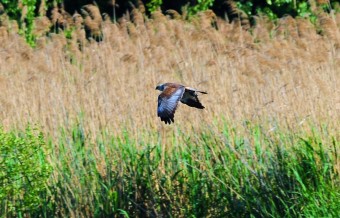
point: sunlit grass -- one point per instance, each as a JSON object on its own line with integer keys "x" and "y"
{"x": 242, "y": 171}
{"x": 290, "y": 75}
{"x": 266, "y": 144}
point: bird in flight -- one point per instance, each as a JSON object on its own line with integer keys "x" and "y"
{"x": 171, "y": 94}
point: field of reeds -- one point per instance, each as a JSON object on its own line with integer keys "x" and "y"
{"x": 266, "y": 145}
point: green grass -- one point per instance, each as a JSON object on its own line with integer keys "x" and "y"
{"x": 244, "y": 171}
{"x": 24, "y": 171}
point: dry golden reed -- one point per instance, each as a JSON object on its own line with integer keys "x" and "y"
{"x": 285, "y": 73}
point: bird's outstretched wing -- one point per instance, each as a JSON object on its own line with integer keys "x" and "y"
{"x": 190, "y": 98}
{"x": 167, "y": 103}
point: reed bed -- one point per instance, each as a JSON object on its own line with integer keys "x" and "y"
{"x": 267, "y": 144}
{"x": 286, "y": 71}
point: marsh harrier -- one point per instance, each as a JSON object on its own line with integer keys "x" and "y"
{"x": 171, "y": 94}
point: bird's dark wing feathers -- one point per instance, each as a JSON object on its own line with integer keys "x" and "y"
{"x": 190, "y": 98}
{"x": 167, "y": 105}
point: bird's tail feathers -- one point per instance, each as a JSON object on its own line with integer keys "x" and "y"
{"x": 202, "y": 92}
{"x": 192, "y": 90}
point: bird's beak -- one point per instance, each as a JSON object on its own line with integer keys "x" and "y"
{"x": 157, "y": 87}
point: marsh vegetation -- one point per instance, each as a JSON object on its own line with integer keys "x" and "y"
{"x": 267, "y": 144}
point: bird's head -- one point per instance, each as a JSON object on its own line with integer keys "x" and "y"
{"x": 160, "y": 87}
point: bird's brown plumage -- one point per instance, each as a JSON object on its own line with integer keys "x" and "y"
{"x": 171, "y": 94}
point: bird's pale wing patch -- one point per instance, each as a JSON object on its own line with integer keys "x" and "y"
{"x": 167, "y": 103}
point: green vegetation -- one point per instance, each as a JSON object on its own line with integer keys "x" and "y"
{"x": 153, "y": 5}
{"x": 202, "y": 5}
{"x": 277, "y": 8}
{"x": 231, "y": 172}
{"x": 24, "y": 172}
{"x": 119, "y": 160}
{"x": 25, "y": 12}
